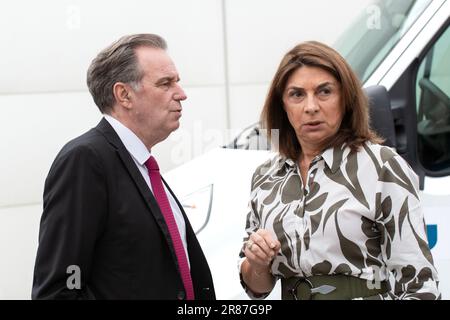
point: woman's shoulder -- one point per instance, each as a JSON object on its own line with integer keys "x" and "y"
{"x": 392, "y": 168}
{"x": 274, "y": 169}
{"x": 379, "y": 153}
{"x": 272, "y": 166}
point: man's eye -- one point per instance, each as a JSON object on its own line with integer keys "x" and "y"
{"x": 165, "y": 85}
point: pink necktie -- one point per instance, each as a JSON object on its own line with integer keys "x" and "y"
{"x": 164, "y": 205}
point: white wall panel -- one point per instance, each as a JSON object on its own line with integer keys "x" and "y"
{"x": 47, "y": 45}
{"x": 260, "y": 32}
{"x": 246, "y": 103}
{"x": 33, "y": 128}
{"x": 19, "y": 229}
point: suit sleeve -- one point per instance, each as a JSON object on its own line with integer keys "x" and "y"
{"x": 75, "y": 208}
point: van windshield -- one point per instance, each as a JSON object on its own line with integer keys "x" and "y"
{"x": 371, "y": 37}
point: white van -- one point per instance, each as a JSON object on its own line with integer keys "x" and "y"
{"x": 403, "y": 47}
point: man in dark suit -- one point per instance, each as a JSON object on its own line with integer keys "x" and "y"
{"x": 110, "y": 229}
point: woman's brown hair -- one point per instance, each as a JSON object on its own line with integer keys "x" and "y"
{"x": 354, "y": 129}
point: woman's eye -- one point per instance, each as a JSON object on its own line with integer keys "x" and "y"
{"x": 296, "y": 94}
{"x": 324, "y": 91}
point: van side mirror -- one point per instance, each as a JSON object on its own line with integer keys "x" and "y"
{"x": 381, "y": 119}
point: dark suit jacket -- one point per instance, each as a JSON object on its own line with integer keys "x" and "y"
{"x": 100, "y": 215}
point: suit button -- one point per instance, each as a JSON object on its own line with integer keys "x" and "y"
{"x": 181, "y": 295}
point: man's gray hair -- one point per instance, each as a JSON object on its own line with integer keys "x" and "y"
{"x": 118, "y": 63}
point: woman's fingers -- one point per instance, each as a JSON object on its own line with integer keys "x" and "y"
{"x": 259, "y": 240}
{"x": 271, "y": 246}
{"x": 256, "y": 255}
{"x": 261, "y": 247}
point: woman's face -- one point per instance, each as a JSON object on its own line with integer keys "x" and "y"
{"x": 312, "y": 101}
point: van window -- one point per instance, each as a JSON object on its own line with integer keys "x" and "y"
{"x": 375, "y": 32}
{"x": 433, "y": 106}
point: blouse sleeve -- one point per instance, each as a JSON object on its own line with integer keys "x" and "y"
{"x": 252, "y": 224}
{"x": 404, "y": 245}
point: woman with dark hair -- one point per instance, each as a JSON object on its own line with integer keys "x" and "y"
{"x": 335, "y": 215}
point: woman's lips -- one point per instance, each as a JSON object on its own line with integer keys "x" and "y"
{"x": 313, "y": 125}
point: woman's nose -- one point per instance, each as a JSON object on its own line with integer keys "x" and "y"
{"x": 311, "y": 105}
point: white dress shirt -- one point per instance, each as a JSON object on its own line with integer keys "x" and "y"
{"x": 140, "y": 155}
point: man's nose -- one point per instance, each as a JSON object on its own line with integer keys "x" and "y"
{"x": 180, "y": 95}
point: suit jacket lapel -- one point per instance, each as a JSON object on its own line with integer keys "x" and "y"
{"x": 105, "y": 128}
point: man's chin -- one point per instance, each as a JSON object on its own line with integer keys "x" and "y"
{"x": 176, "y": 126}
{"x": 173, "y": 127}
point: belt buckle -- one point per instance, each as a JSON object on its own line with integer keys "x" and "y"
{"x": 323, "y": 289}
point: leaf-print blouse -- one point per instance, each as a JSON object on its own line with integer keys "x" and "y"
{"x": 358, "y": 215}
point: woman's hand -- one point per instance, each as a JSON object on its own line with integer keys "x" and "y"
{"x": 260, "y": 249}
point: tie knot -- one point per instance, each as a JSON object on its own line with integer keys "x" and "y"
{"x": 151, "y": 164}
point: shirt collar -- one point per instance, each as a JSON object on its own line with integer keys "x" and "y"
{"x": 333, "y": 158}
{"x": 132, "y": 143}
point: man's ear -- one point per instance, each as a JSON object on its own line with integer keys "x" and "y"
{"x": 121, "y": 93}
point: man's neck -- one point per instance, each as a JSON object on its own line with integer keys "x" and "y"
{"x": 149, "y": 142}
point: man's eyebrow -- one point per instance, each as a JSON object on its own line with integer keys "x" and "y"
{"x": 164, "y": 79}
